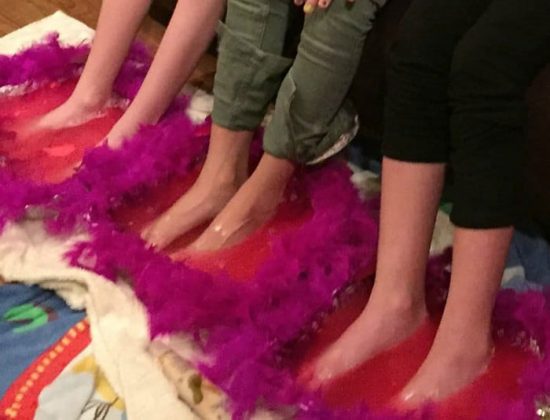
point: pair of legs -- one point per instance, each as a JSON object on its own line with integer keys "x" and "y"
{"x": 186, "y": 38}
{"x": 458, "y": 76}
{"x": 309, "y": 116}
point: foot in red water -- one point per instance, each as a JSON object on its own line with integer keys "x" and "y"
{"x": 75, "y": 111}
{"x": 248, "y": 210}
{"x": 451, "y": 365}
{"x": 254, "y": 204}
{"x": 204, "y": 200}
{"x": 224, "y": 171}
{"x": 382, "y": 325}
{"x": 124, "y": 128}
{"x": 128, "y": 125}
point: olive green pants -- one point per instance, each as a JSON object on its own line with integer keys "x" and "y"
{"x": 311, "y": 112}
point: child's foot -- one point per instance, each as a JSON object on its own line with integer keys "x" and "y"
{"x": 74, "y": 111}
{"x": 380, "y": 326}
{"x": 253, "y": 205}
{"x": 223, "y": 172}
{"x": 201, "y": 203}
{"x": 248, "y": 210}
{"x": 450, "y": 366}
{"x": 124, "y": 128}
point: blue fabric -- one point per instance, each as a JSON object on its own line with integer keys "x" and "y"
{"x": 31, "y": 320}
{"x": 528, "y": 264}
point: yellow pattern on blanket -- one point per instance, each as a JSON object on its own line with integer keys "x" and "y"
{"x": 102, "y": 386}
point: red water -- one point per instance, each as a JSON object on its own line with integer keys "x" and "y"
{"x": 239, "y": 262}
{"x": 47, "y": 156}
{"x": 378, "y": 381}
{"x": 51, "y": 156}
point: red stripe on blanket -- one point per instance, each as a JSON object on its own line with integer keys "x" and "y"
{"x": 21, "y": 398}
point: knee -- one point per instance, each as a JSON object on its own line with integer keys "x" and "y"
{"x": 402, "y": 50}
{"x": 483, "y": 86}
{"x": 412, "y": 53}
{"x": 468, "y": 78}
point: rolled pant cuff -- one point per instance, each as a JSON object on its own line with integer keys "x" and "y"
{"x": 289, "y": 137}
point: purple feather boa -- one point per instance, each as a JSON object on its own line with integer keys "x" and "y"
{"x": 258, "y": 319}
{"x": 48, "y": 61}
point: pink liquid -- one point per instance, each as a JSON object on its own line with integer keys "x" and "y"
{"x": 378, "y": 381}
{"x": 48, "y": 156}
{"x": 239, "y": 262}
{"x": 52, "y": 155}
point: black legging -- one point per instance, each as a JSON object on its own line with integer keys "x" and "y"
{"x": 457, "y": 80}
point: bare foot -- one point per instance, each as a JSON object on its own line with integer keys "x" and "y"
{"x": 201, "y": 203}
{"x": 74, "y": 111}
{"x": 123, "y": 129}
{"x": 380, "y": 326}
{"x": 248, "y": 210}
{"x": 223, "y": 172}
{"x": 450, "y": 366}
{"x": 253, "y": 205}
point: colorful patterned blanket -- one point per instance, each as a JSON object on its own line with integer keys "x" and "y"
{"x": 48, "y": 368}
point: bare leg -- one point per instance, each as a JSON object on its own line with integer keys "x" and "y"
{"x": 396, "y": 308}
{"x": 462, "y": 348}
{"x": 187, "y": 37}
{"x": 118, "y": 23}
{"x": 224, "y": 171}
{"x": 253, "y": 205}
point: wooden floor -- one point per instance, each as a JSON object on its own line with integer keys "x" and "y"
{"x": 17, "y": 13}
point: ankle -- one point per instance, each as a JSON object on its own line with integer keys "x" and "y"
{"x": 228, "y": 155}
{"x": 224, "y": 178}
{"x": 401, "y": 302}
{"x": 465, "y": 347}
{"x": 144, "y": 113}
{"x": 408, "y": 304}
{"x": 465, "y": 357}
{"x": 230, "y": 178}
{"x": 225, "y": 173}
{"x": 230, "y": 144}
{"x": 89, "y": 99}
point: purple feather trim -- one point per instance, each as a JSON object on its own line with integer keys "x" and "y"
{"x": 259, "y": 319}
